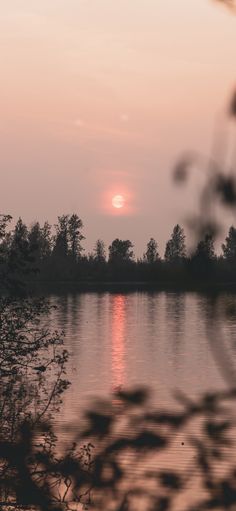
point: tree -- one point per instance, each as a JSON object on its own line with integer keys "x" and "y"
{"x": 35, "y": 241}
{"x": 75, "y": 236}
{"x": 229, "y": 247}
{"x": 205, "y": 248}
{"x": 25, "y": 362}
{"x": 5, "y": 245}
{"x": 151, "y": 255}
{"x": 20, "y": 257}
{"x": 46, "y": 241}
{"x": 202, "y": 260}
{"x": 175, "y": 247}
{"x": 120, "y": 251}
{"x": 4, "y": 220}
{"x": 99, "y": 251}
{"x": 61, "y": 239}
{"x": 20, "y": 236}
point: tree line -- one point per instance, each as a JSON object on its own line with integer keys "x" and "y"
{"x": 57, "y": 254}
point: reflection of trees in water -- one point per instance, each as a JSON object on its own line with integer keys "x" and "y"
{"x": 153, "y": 299}
{"x": 175, "y": 318}
{"x": 62, "y": 305}
{"x": 219, "y": 314}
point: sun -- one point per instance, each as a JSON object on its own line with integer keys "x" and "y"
{"x": 118, "y": 201}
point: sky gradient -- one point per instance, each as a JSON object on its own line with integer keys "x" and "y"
{"x": 99, "y": 98}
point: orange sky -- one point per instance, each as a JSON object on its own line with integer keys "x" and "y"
{"x": 100, "y": 95}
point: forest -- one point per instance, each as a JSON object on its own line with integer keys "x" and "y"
{"x": 47, "y": 255}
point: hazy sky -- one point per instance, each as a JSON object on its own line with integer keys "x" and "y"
{"x": 99, "y": 97}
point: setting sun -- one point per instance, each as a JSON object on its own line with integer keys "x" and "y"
{"x": 118, "y": 201}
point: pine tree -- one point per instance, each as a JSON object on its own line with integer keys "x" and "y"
{"x": 75, "y": 236}
{"x": 20, "y": 257}
{"x": 175, "y": 247}
{"x": 46, "y": 241}
{"x": 35, "y": 241}
{"x": 205, "y": 248}
{"x": 60, "y": 249}
{"x": 229, "y": 247}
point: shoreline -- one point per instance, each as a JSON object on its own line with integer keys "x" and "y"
{"x": 131, "y": 286}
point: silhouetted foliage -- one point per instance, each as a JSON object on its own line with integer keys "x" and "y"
{"x": 32, "y": 375}
{"x": 229, "y": 247}
{"x": 202, "y": 260}
{"x": 175, "y": 247}
{"x": 205, "y": 249}
{"x": 120, "y": 251}
{"x": 75, "y": 225}
{"x": 34, "y": 254}
{"x": 219, "y": 189}
{"x": 229, "y": 3}
{"x": 28, "y": 355}
{"x": 151, "y": 255}
{"x": 100, "y": 252}
{"x": 106, "y": 473}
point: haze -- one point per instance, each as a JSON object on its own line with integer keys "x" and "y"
{"x": 98, "y": 97}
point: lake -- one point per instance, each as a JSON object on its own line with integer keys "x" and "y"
{"x": 172, "y": 343}
{"x": 160, "y": 340}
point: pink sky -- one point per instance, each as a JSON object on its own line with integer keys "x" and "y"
{"x": 100, "y": 96}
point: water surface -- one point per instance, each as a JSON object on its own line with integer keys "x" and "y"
{"x": 160, "y": 340}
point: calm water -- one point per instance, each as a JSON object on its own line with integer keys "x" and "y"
{"x": 166, "y": 341}
{"x": 160, "y": 340}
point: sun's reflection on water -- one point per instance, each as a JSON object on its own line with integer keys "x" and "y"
{"x": 118, "y": 341}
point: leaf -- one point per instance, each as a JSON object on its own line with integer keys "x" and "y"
{"x": 170, "y": 480}
{"x": 232, "y": 108}
{"x": 136, "y": 397}
{"x": 100, "y": 424}
{"x": 225, "y": 186}
{"x": 228, "y": 3}
{"x": 181, "y": 170}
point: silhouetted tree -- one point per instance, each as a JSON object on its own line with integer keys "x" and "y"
{"x": 151, "y": 255}
{"x": 202, "y": 262}
{"x": 60, "y": 249}
{"x": 5, "y": 237}
{"x": 68, "y": 236}
{"x": 120, "y": 251}
{"x": 35, "y": 242}
{"x": 4, "y": 221}
{"x": 59, "y": 257}
{"x": 229, "y": 247}
{"x": 20, "y": 257}
{"x": 20, "y": 236}
{"x": 5, "y": 246}
{"x": 175, "y": 248}
{"x": 100, "y": 252}
{"x": 26, "y": 362}
{"x": 46, "y": 240}
{"x": 75, "y": 236}
{"x": 205, "y": 248}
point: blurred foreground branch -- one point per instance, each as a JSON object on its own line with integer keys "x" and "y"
{"x": 125, "y": 470}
